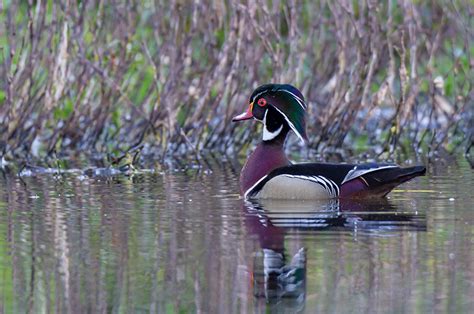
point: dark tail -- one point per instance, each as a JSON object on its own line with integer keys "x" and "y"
{"x": 381, "y": 182}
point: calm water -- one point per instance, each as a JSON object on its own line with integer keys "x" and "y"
{"x": 184, "y": 241}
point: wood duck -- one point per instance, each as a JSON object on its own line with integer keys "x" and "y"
{"x": 268, "y": 174}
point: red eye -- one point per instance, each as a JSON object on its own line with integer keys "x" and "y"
{"x": 262, "y": 102}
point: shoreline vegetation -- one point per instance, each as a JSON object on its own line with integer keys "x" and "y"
{"x": 115, "y": 81}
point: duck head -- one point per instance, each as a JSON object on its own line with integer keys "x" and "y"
{"x": 280, "y": 107}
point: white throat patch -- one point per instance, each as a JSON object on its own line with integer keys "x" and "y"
{"x": 267, "y": 135}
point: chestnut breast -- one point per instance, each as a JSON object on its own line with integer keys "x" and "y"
{"x": 261, "y": 162}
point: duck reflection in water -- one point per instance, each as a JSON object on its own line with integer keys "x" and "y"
{"x": 282, "y": 281}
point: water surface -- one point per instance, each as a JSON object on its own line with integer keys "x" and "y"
{"x": 184, "y": 241}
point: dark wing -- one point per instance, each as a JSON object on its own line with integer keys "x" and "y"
{"x": 364, "y": 169}
{"x": 381, "y": 182}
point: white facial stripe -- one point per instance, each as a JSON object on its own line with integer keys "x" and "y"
{"x": 299, "y": 100}
{"x": 302, "y": 104}
{"x": 294, "y": 95}
{"x": 291, "y": 125}
{"x": 256, "y": 96}
{"x": 267, "y": 135}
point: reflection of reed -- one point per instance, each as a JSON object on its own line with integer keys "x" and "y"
{"x": 178, "y": 242}
{"x": 62, "y": 253}
{"x": 271, "y": 221}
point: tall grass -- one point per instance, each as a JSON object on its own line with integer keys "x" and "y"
{"x": 106, "y": 77}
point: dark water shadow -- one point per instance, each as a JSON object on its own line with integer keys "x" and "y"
{"x": 281, "y": 280}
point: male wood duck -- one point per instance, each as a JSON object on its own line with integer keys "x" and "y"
{"x": 268, "y": 174}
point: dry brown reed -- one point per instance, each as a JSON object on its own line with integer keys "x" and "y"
{"x": 106, "y": 77}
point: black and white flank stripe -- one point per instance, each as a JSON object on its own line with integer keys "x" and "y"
{"x": 329, "y": 177}
{"x": 330, "y": 188}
